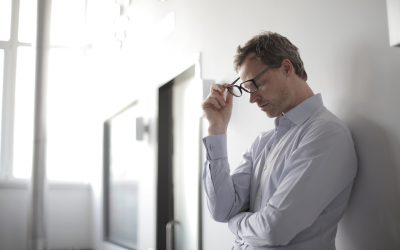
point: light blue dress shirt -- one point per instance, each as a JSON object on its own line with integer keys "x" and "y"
{"x": 292, "y": 186}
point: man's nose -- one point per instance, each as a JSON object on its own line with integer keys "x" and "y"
{"x": 253, "y": 97}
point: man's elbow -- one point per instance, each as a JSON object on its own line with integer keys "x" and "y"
{"x": 220, "y": 218}
{"x": 218, "y": 213}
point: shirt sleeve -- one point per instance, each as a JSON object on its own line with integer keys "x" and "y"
{"x": 323, "y": 165}
{"x": 226, "y": 194}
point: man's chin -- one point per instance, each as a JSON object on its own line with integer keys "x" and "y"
{"x": 270, "y": 115}
{"x": 267, "y": 110}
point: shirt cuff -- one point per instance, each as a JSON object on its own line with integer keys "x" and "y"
{"x": 215, "y": 146}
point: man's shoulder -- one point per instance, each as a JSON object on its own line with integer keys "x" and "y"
{"x": 326, "y": 121}
{"x": 329, "y": 118}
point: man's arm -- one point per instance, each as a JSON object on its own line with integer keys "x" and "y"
{"x": 317, "y": 172}
{"x": 227, "y": 194}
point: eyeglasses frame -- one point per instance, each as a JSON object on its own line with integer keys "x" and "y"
{"x": 253, "y": 81}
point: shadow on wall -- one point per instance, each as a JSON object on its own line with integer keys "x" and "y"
{"x": 372, "y": 220}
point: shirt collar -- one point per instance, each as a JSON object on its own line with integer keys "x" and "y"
{"x": 304, "y": 110}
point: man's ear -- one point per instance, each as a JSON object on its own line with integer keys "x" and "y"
{"x": 287, "y": 67}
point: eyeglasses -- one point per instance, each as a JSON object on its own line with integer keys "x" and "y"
{"x": 248, "y": 86}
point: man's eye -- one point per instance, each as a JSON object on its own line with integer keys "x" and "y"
{"x": 261, "y": 83}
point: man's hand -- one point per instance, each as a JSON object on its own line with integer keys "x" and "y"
{"x": 218, "y": 109}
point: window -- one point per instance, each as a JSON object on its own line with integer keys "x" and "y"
{"x": 121, "y": 181}
{"x": 27, "y": 21}
{"x": 23, "y": 113}
{"x": 5, "y": 19}
{"x": 68, "y": 22}
{"x": 65, "y": 139}
{"x": 17, "y": 30}
{"x": 12, "y": 87}
{"x": 66, "y": 142}
{"x": 66, "y": 59}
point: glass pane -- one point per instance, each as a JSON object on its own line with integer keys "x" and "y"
{"x": 123, "y": 151}
{"x": 23, "y": 117}
{"x": 5, "y": 19}
{"x": 68, "y": 147}
{"x": 67, "y": 24}
{"x": 27, "y": 21}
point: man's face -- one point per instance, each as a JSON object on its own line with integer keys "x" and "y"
{"x": 273, "y": 95}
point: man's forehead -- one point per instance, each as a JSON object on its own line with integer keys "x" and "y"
{"x": 250, "y": 64}
{"x": 251, "y": 57}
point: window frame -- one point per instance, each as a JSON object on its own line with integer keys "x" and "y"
{"x": 10, "y": 49}
{"x": 9, "y": 77}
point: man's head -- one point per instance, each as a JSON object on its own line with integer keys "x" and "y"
{"x": 271, "y": 65}
{"x": 271, "y": 48}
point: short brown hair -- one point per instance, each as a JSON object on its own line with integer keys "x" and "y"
{"x": 272, "y": 49}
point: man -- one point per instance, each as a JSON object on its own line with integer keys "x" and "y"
{"x": 294, "y": 182}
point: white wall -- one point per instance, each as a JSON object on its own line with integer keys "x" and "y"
{"x": 68, "y": 217}
{"x": 13, "y": 218}
{"x": 345, "y": 48}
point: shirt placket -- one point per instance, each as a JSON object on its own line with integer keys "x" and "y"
{"x": 283, "y": 125}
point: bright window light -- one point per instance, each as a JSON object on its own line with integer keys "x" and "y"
{"x": 27, "y": 21}
{"x": 23, "y": 117}
{"x": 67, "y": 143}
{"x": 5, "y": 19}
{"x": 68, "y": 148}
{"x": 67, "y": 22}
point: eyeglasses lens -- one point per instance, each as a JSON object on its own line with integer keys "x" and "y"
{"x": 234, "y": 90}
{"x": 249, "y": 86}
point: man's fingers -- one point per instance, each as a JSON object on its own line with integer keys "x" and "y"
{"x": 212, "y": 103}
{"x": 217, "y": 99}
{"x": 229, "y": 98}
{"x": 217, "y": 92}
{"x": 220, "y": 99}
{"x": 217, "y": 88}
